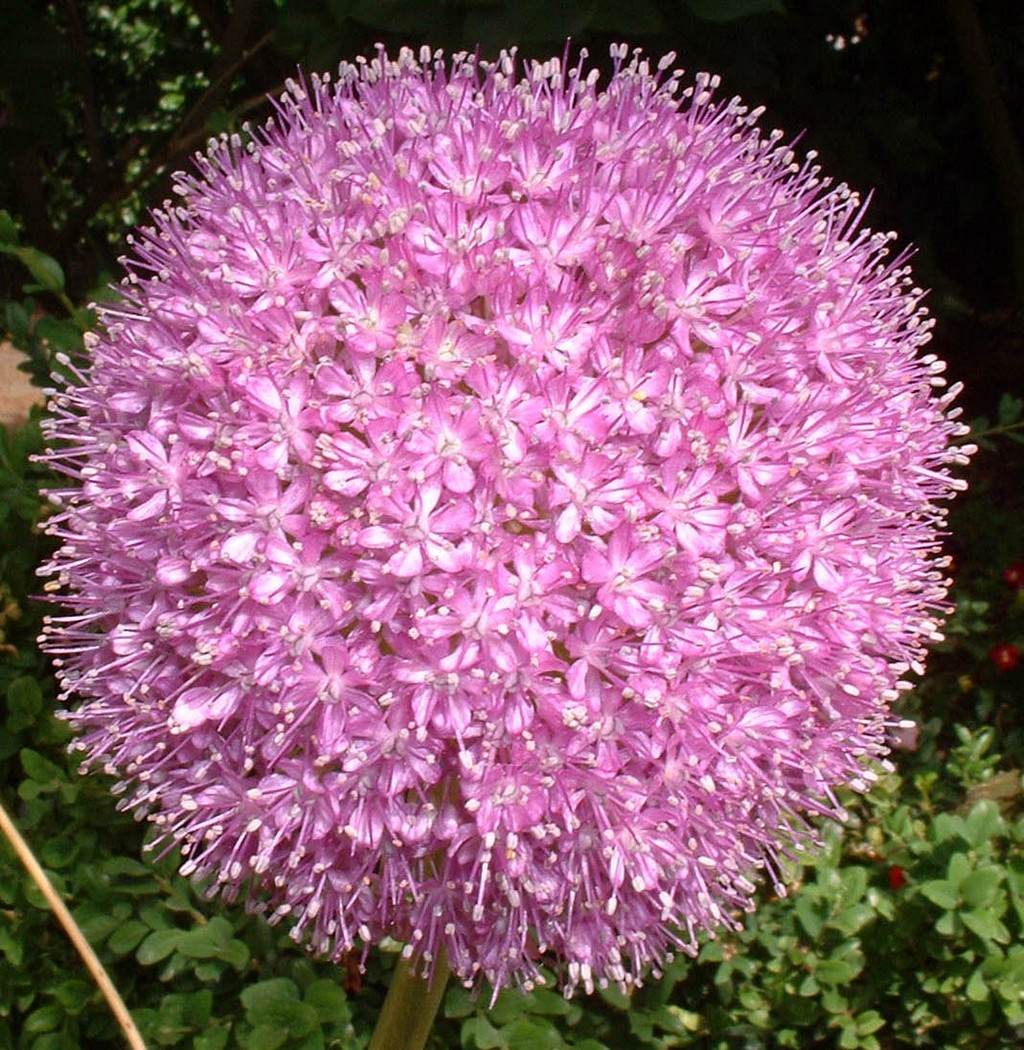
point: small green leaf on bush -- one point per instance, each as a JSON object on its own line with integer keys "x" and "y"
{"x": 980, "y": 887}
{"x": 212, "y": 1039}
{"x": 205, "y": 942}
{"x": 124, "y": 866}
{"x": 127, "y": 936}
{"x": 982, "y": 823}
{"x": 834, "y": 971}
{"x": 532, "y": 1033}
{"x": 940, "y": 892}
{"x": 986, "y": 926}
{"x": 187, "y": 1011}
{"x": 329, "y": 1002}
{"x": 97, "y": 928}
{"x": 158, "y": 945}
{"x": 850, "y": 920}
{"x": 8, "y": 229}
{"x": 74, "y": 994}
{"x": 236, "y": 954}
{"x": 478, "y": 1032}
{"x": 24, "y": 703}
{"x": 1009, "y": 410}
{"x": 266, "y": 1037}
{"x": 56, "y": 1041}
{"x": 12, "y": 948}
{"x": 46, "y": 270}
{"x": 805, "y": 908}
{"x": 60, "y": 334}
{"x": 34, "y": 895}
{"x": 977, "y": 987}
{"x": 274, "y": 1002}
{"x": 39, "y": 768}
{"x": 59, "y": 851}
{"x": 45, "y": 1019}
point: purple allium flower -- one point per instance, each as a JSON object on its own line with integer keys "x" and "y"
{"x": 507, "y": 510}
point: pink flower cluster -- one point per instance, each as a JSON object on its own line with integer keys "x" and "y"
{"x": 505, "y": 509}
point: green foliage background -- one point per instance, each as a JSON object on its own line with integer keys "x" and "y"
{"x": 908, "y": 929}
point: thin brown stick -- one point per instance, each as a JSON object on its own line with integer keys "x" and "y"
{"x": 21, "y": 848}
{"x": 90, "y": 118}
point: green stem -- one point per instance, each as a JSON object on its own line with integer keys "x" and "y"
{"x": 991, "y": 432}
{"x": 410, "y": 1008}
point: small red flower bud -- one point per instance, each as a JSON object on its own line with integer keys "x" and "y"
{"x": 1004, "y": 656}
{"x": 1013, "y": 575}
{"x": 897, "y": 877}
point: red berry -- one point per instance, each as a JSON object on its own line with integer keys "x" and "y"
{"x": 1014, "y": 575}
{"x": 897, "y": 877}
{"x": 1004, "y": 656}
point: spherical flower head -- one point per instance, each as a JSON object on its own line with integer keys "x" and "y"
{"x": 507, "y": 509}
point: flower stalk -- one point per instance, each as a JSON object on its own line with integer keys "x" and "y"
{"x": 410, "y": 1007}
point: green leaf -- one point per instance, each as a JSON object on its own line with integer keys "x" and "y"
{"x": 60, "y": 334}
{"x": 940, "y": 892}
{"x": 39, "y": 768}
{"x": 187, "y": 1011}
{"x": 980, "y": 887}
{"x": 56, "y": 1041}
{"x": 205, "y": 942}
{"x": 45, "y": 269}
{"x": 946, "y": 924}
{"x": 212, "y": 1039}
{"x": 806, "y": 912}
{"x": 1009, "y": 410}
{"x": 983, "y": 822}
{"x": 869, "y": 1021}
{"x": 274, "y": 1002}
{"x": 8, "y": 228}
{"x": 854, "y": 882}
{"x": 127, "y": 936}
{"x": 236, "y": 954}
{"x": 124, "y": 866}
{"x": 986, "y": 926}
{"x": 158, "y": 945}
{"x": 45, "y": 1019}
{"x": 478, "y": 1032}
{"x": 458, "y": 1002}
{"x": 977, "y": 987}
{"x": 850, "y": 920}
{"x": 532, "y": 1033}
{"x": 959, "y": 868}
{"x": 74, "y": 994}
{"x": 24, "y": 703}
{"x": 835, "y": 971}
{"x": 329, "y": 1002}
{"x": 848, "y": 1038}
{"x": 266, "y": 1037}
{"x": 97, "y": 927}
{"x": 948, "y": 826}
